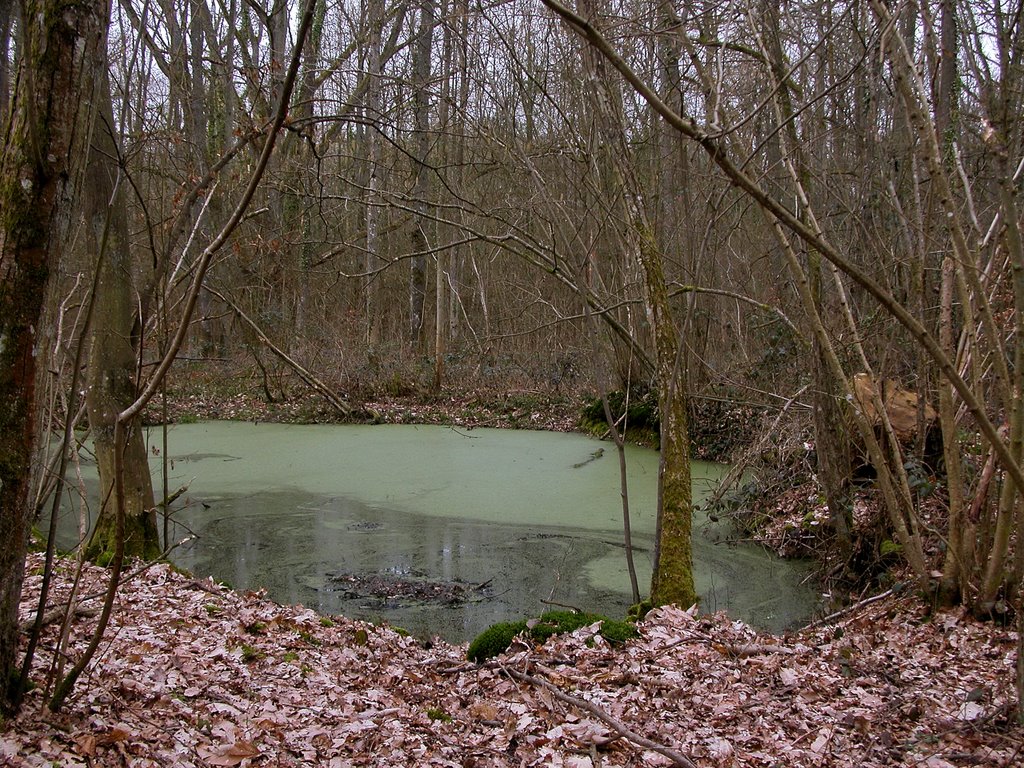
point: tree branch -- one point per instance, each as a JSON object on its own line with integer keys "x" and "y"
{"x": 236, "y": 218}
{"x": 303, "y": 374}
{"x": 719, "y": 154}
{"x": 616, "y": 725}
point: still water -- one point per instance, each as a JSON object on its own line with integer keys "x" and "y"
{"x": 443, "y": 531}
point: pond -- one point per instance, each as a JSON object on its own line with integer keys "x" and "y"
{"x": 443, "y": 530}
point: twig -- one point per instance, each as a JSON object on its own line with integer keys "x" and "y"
{"x": 736, "y": 471}
{"x": 173, "y": 498}
{"x": 145, "y": 565}
{"x": 311, "y": 380}
{"x": 55, "y": 614}
{"x": 600, "y": 714}
{"x": 572, "y": 608}
{"x": 207, "y": 585}
{"x": 745, "y": 650}
{"x": 833, "y": 617}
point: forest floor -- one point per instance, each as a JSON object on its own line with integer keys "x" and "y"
{"x": 193, "y": 674}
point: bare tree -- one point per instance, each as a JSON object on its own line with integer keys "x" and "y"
{"x": 114, "y": 349}
{"x": 421, "y": 83}
{"x": 799, "y": 224}
{"x": 44, "y": 147}
{"x": 672, "y": 579}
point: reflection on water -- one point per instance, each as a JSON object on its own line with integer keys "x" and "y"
{"x": 442, "y": 531}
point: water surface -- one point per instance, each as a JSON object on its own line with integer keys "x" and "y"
{"x": 487, "y": 525}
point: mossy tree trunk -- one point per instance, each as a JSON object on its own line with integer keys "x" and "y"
{"x": 42, "y": 148}
{"x": 672, "y": 579}
{"x": 113, "y": 352}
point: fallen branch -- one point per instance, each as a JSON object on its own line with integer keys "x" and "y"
{"x": 737, "y": 470}
{"x": 312, "y": 381}
{"x": 745, "y": 650}
{"x": 616, "y": 725}
{"x": 57, "y": 614}
{"x": 833, "y": 617}
{"x": 172, "y": 498}
{"x": 207, "y": 585}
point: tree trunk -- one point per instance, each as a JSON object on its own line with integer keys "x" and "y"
{"x": 672, "y": 579}
{"x": 8, "y": 12}
{"x": 372, "y": 262}
{"x": 959, "y": 527}
{"x": 113, "y": 350}
{"x": 303, "y": 160}
{"x": 950, "y": 584}
{"x": 42, "y": 160}
{"x": 421, "y": 141}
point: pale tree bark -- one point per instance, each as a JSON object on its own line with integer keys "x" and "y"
{"x": 277, "y": 26}
{"x": 43, "y": 152}
{"x": 8, "y": 11}
{"x": 452, "y": 122}
{"x": 305, "y": 164}
{"x": 959, "y": 528}
{"x": 373, "y": 262}
{"x": 277, "y": 225}
{"x": 176, "y": 65}
{"x": 953, "y": 569}
{"x": 442, "y": 258}
{"x": 440, "y": 320}
{"x": 197, "y": 125}
{"x": 421, "y": 71}
{"x": 831, "y": 435}
{"x": 113, "y": 351}
{"x": 674, "y": 221}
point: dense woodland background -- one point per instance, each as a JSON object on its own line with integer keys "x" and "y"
{"x": 808, "y": 207}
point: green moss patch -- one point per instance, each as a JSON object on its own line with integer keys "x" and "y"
{"x": 498, "y": 637}
{"x": 494, "y": 640}
{"x": 640, "y": 409}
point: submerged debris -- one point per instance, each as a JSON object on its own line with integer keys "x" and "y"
{"x": 414, "y": 588}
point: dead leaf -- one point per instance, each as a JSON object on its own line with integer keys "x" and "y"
{"x": 481, "y": 710}
{"x": 114, "y": 735}
{"x": 230, "y": 754}
{"x": 86, "y": 744}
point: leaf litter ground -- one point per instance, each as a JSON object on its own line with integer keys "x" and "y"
{"x": 193, "y": 674}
